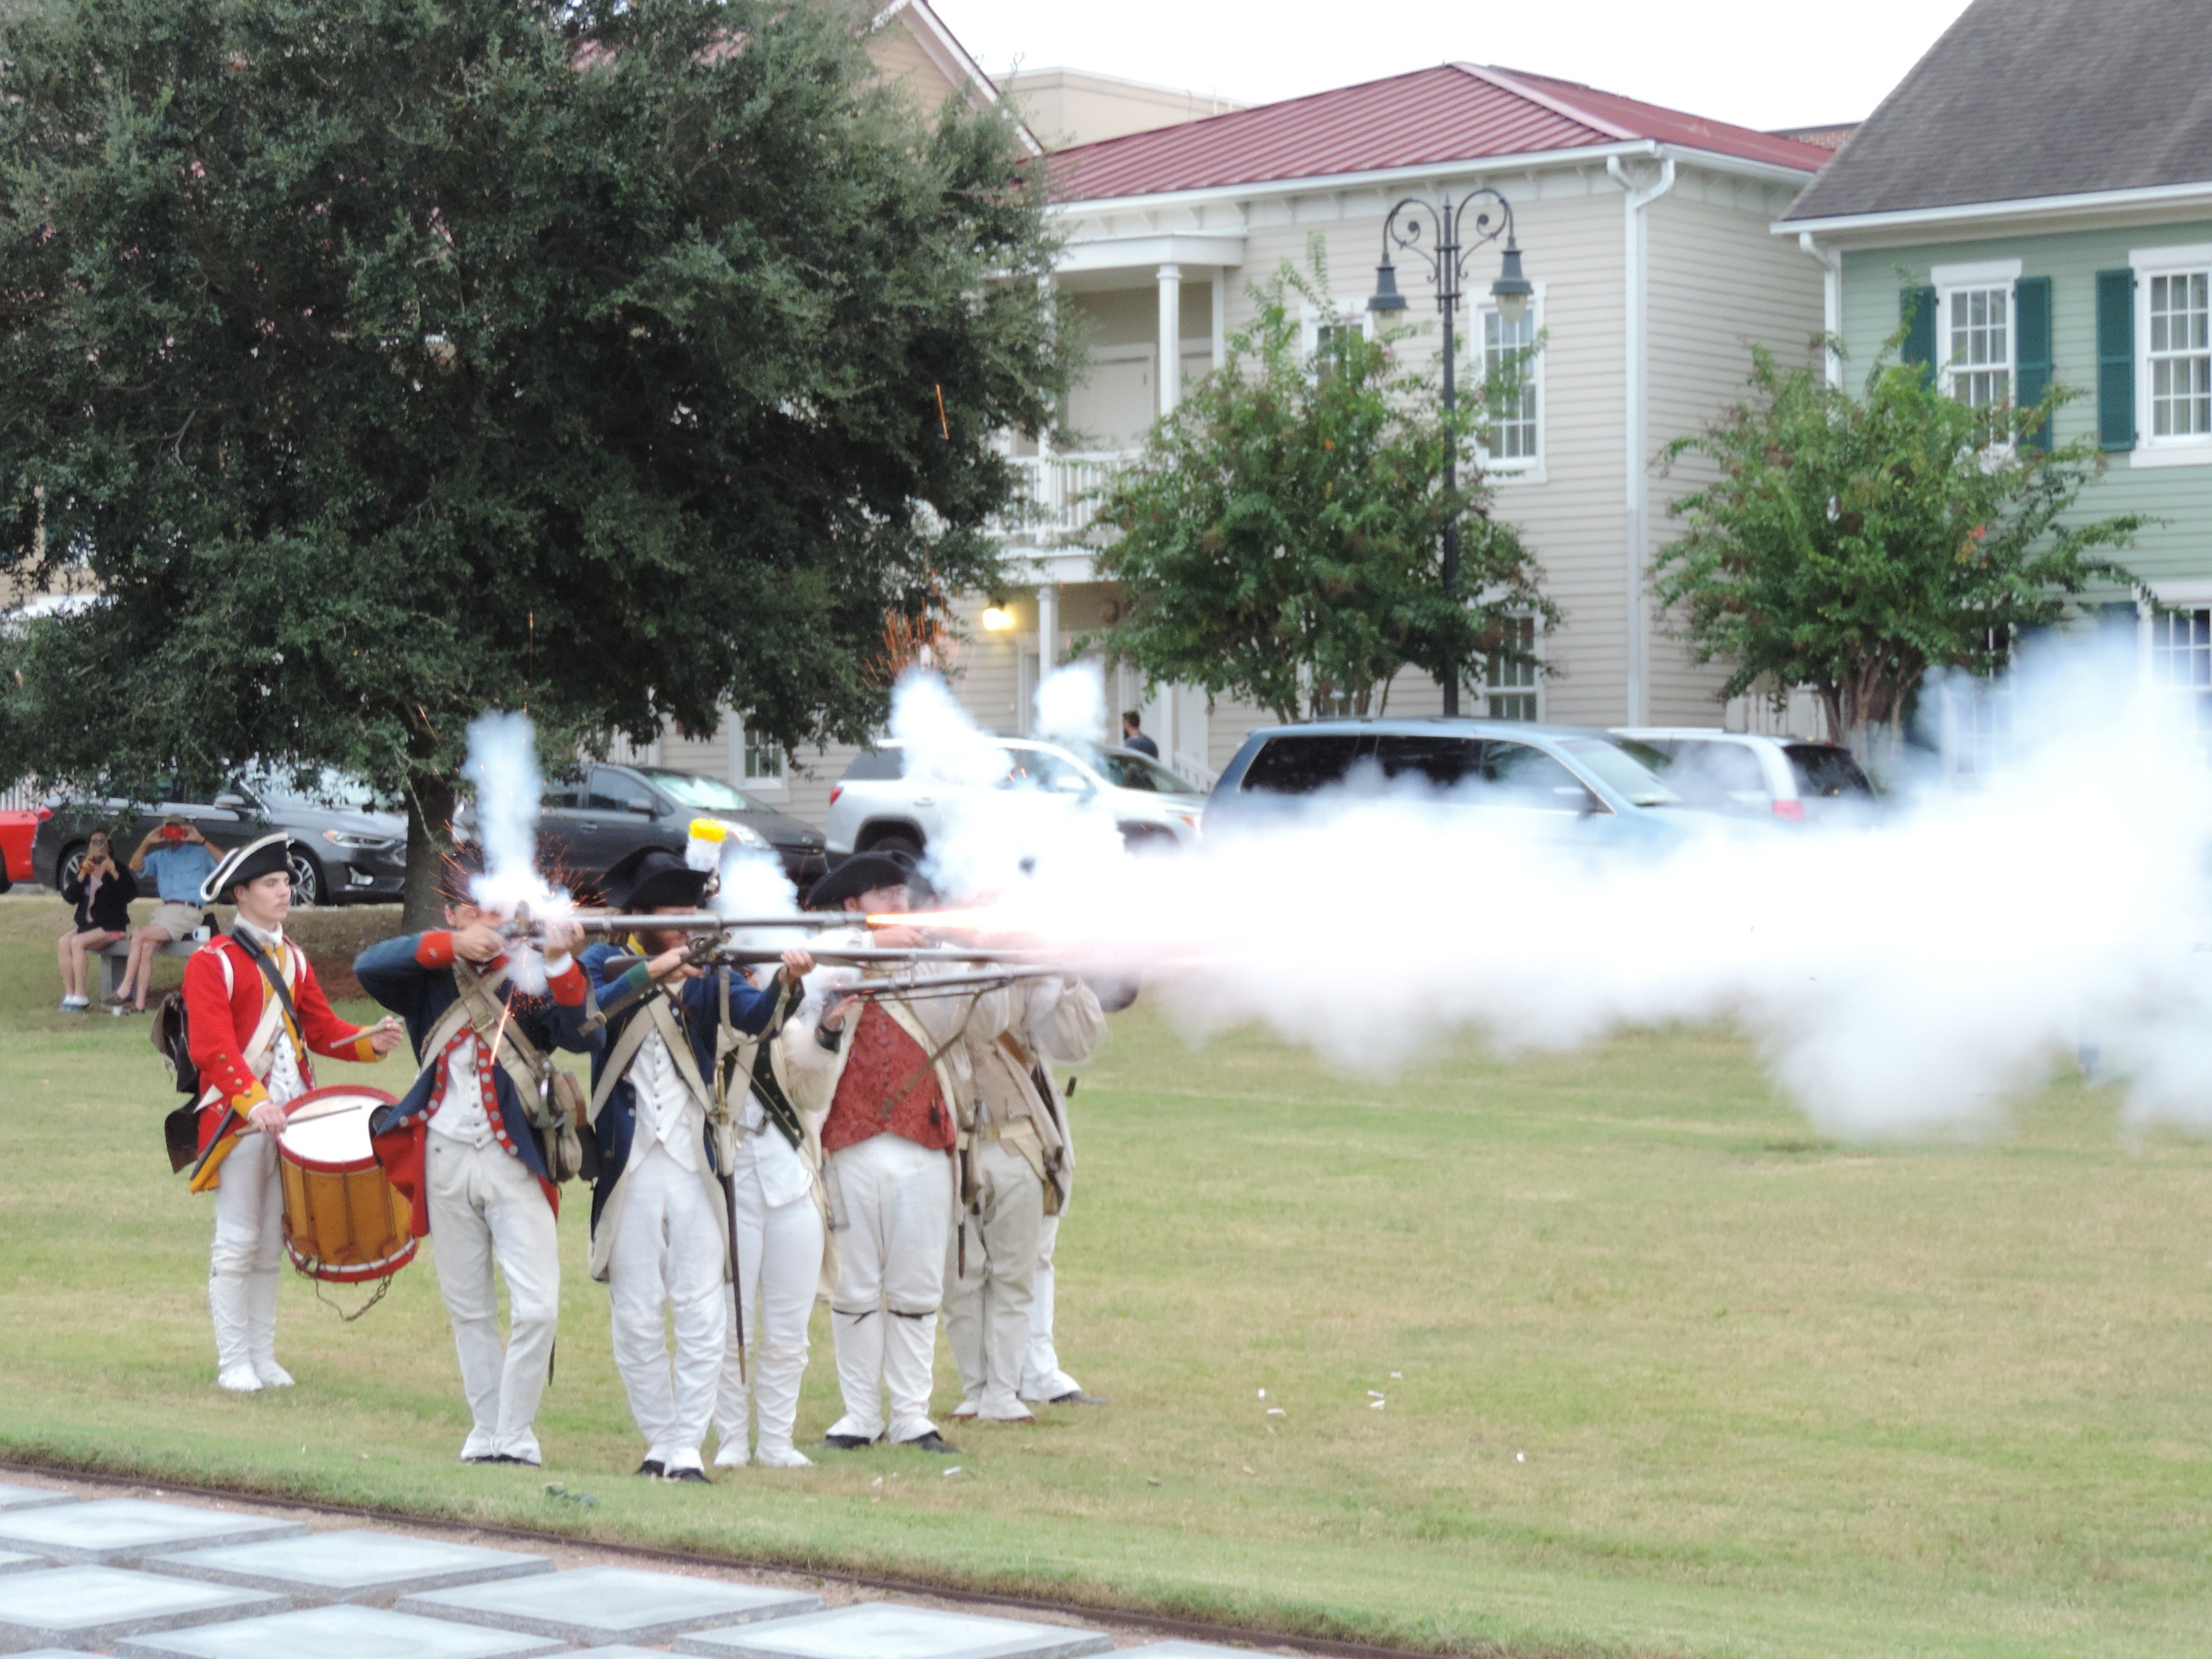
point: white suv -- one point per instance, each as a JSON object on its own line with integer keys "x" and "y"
{"x": 1791, "y": 778}
{"x": 876, "y": 806}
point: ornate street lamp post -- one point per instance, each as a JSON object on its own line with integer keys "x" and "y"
{"x": 1441, "y": 237}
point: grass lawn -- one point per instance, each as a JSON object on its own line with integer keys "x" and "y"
{"x": 1661, "y": 1372}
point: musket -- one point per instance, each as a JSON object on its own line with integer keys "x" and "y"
{"x": 950, "y": 985}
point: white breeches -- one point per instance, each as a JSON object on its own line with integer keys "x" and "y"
{"x": 248, "y": 1256}
{"x": 486, "y": 1208}
{"x": 896, "y": 1203}
{"x": 1042, "y": 1378}
{"x": 780, "y": 1256}
{"x": 988, "y": 1308}
{"x": 668, "y": 1254}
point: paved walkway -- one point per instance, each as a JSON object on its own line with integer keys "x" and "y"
{"x": 137, "y": 1572}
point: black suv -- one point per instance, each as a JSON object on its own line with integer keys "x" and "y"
{"x": 350, "y": 846}
{"x": 588, "y": 824}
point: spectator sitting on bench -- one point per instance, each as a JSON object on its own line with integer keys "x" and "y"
{"x": 179, "y": 860}
{"x": 102, "y": 892}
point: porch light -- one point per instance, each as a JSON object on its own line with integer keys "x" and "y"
{"x": 1386, "y": 296}
{"x": 997, "y": 619}
{"x": 1512, "y": 290}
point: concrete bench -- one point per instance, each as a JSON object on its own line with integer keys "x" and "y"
{"x": 115, "y": 957}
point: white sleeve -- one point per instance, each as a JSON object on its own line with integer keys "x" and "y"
{"x": 1065, "y": 1023}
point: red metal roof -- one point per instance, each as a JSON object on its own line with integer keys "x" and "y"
{"x": 1454, "y": 112}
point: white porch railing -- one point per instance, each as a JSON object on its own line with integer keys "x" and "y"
{"x": 1054, "y": 502}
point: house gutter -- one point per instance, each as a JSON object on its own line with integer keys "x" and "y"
{"x": 1635, "y": 249}
{"x": 1832, "y": 302}
{"x": 2086, "y": 203}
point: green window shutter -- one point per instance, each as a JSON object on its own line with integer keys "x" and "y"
{"x": 1917, "y": 307}
{"x": 2031, "y": 347}
{"x": 2115, "y": 318}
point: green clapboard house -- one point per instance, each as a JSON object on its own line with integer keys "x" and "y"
{"x": 2034, "y": 203}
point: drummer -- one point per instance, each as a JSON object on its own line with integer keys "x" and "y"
{"x": 255, "y": 1011}
{"x": 461, "y": 1147}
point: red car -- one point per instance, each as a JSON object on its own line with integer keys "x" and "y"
{"x": 17, "y": 828}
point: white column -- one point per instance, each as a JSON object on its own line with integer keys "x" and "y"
{"x": 1832, "y": 300}
{"x": 1170, "y": 337}
{"x": 1048, "y": 628}
{"x": 1221, "y": 317}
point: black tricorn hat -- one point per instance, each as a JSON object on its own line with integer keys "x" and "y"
{"x": 863, "y": 873}
{"x": 249, "y": 863}
{"x": 653, "y": 878}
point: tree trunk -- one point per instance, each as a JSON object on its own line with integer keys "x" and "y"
{"x": 430, "y": 809}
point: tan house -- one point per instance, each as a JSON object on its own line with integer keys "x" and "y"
{"x": 1645, "y": 233}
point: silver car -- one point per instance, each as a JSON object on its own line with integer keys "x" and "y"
{"x": 1794, "y": 779}
{"x": 876, "y": 808}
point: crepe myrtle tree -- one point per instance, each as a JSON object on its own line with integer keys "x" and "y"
{"x": 1280, "y": 537}
{"x": 1849, "y": 544}
{"x": 379, "y": 361}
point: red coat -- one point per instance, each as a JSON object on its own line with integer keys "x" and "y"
{"x": 222, "y": 1010}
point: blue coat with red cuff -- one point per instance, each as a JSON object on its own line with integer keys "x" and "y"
{"x": 699, "y": 1010}
{"x": 413, "y": 976}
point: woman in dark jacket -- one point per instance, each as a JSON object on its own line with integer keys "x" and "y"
{"x": 101, "y": 890}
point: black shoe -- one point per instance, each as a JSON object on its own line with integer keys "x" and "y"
{"x": 490, "y": 1456}
{"x": 845, "y": 1442}
{"x": 692, "y": 1474}
{"x": 1075, "y": 1396}
{"x": 653, "y": 1467}
{"x": 932, "y": 1441}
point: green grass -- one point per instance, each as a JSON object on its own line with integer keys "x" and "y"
{"x": 1674, "y": 1374}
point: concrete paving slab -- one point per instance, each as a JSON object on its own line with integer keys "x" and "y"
{"x": 90, "y": 1607}
{"x": 12, "y": 1562}
{"x": 32, "y": 1497}
{"x": 885, "y": 1630}
{"x": 606, "y": 1605}
{"x": 367, "y": 1568}
{"x": 338, "y": 1632}
{"x": 121, "y": 1530}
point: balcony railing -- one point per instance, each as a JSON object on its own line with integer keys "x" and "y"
{"x": 1053, "y": 497}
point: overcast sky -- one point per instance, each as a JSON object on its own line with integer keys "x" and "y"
{"x": 1763, "y": 63}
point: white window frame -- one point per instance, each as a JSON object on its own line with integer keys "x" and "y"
{"x": 1486, "y": 691}
{"x": 1950, "y": 279}
{"x": 2196, "y": 449}
{"x": 769, "y": 788}
{"x": 1517, "y": 469}
{"x": 1315, "y": 315}
{"x": 2172, "y": 596}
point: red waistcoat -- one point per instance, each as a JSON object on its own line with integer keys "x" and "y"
{"x": 884, "y": 1058}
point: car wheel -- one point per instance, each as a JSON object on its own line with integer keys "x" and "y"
{"x": 896, "y": 841}
{"x": 65, "y": 867}
{"x": 306, "y": 879}
{"x": 1146, "y": 838}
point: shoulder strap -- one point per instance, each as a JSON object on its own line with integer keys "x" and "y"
{"x": 259, "y": 959}
{"x": 680, "y": 1050}
{"x": 635, "y": 1032}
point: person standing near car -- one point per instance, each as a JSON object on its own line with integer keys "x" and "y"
{"x": 102, "y": 893}
{"x": 887, "y": 1073}
{"x": 461, "y": 1147}
{"x": 177, "y": 857}
{"x": 255, "y": 1011}
{"x": 1133, "y": 735}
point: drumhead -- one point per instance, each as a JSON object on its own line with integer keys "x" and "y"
{"x": 329, "y": 1128}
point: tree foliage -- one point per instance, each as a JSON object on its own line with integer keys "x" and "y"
{"x": 1280, "y": 539}
{"x": 381, "y": 360}
{"x": 1849, "y": 544}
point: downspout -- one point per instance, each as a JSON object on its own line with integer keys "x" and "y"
{"x": 1636, "y": 271}
{"x": 1831, "y": 301}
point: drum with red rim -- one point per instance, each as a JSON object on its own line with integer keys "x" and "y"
{"x": 344, "y": 1220}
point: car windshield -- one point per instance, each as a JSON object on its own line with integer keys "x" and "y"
{"x": 325, "y": 786}
{"x": 1711, "y": 772}
{"x": 1623, "y": 766}
{"x": 1135, "y": 771}
{"x": 701, "y": 794}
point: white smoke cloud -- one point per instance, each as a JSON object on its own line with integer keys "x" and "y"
{"x": 502, "y": 770}
{"x": 1920, "y": 967}
{"x": 1070, "y": 706}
